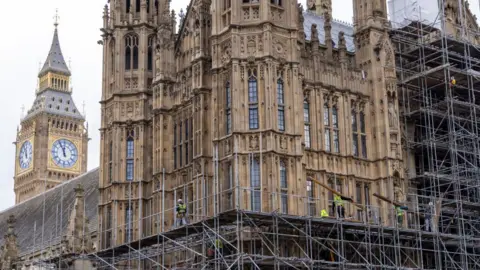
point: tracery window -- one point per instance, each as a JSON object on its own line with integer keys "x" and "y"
{"x": 130, "y": 155}
{"x": 281, "y": 104}
{"x": 359, "y": 134}
{"x": 228, "y": 109}
{"x": 131, "y": 52}
{"x": 255, "y": 184}
{"x": 306, "y": 120}
{"x": 283, "y": 188}
{"x": 110, "y": 162}
{"x": 150, "y": 53}
{"x": 326, "y": 124}
{"x": 253, "y": 99}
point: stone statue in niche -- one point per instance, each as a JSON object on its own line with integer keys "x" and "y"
{"x": 392, "y": 114}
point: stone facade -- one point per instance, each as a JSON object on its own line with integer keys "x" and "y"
{"x": 254, "y": 89}
{"x": 52, "y": 142}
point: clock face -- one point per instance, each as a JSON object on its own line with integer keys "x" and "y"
{"x": 25, "y": 156}
{"x": 64, "y": 153}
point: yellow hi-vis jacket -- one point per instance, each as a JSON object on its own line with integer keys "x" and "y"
{"x": 324, "y": 213}
{"x": 338, "y": 200}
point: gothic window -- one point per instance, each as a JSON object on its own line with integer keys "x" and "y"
{"x": 359, "y": 135}
{"x": 229, "y": 186}
{"x": 148, "y": 6}
{"x": 253, "y": 99}
{"x": 326, "y": 123}
{"x": 127, "y": 6}
{"x": 156, "y": 6}
{"x": 336, "y": 140}
{"x": 228, "y": 110}
{"x": 137, "y": 5}
{"x": 112, "y": 57}
{"x": 311, "y": 198}
{"x": 355, "y": 133}
{"x": 283, "y": 187}
{"x": 108, "y": 237}
{"x": 281, "y": 105}
{"x": 150, "y": 53}
{"x": 255, "y": 184}
{"x": 128, "y": 223}
{"x": 363, "y": 135}
{"x": 130, "y": 155}
{"x": 174, "y": 146}
{"x": 227, "y": 4}
{"x": 306, "y": 120}
{"x": 276, "y": 2}
{"x": 186, "y": 141}
{"x": 180, "y": 148}
{"x": 131, "y": 52}
{"x": 335, "y": 184}
{"x": 110, "y": 162}
{"x": 362, "y": 197}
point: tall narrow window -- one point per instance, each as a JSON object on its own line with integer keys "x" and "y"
{"x": 150, "y": 53}
{"x": 128, "y": 223}
{"x": 255, "y": 185}
{"x": 311, "y": 198}
{"x": 110, "y": 162}
{"x": 283, "y": 188}
{"x": 336, "y": 139}
{"x": 128, "y": 4}
{"x": 253, "y": 99}
{"x": 148, "y": 6}
{"x": 229, "y": 186}
{"x": 180, "y": 150}
{"x": 354, "y": 133}
{"x": 186, "y": 142}
{"x": 108, "y": 240}
{"x": 112, "y": 57}
{"x": 130, "y": 155}
{"x": 138, "y": 5}
{"x": 326, "y": 123}
{"x": 228, "y": 109}
{"x": 174, "y": 146}
{"x": 363, "y": 135}
{"x": 281, "y": 105}
{"x": 306, "y": 120}
{"x": 131, "y": 52}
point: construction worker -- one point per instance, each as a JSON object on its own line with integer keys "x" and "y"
{"x": 323, "y": 213}
{"x": 429, "y": 212}
{"x": 453, "y": 81}
{"x": 400, "y": 213}
{"x": 340, "y": 210}
{"x": 219, "y": 246}
{"x": 181, "y": 213}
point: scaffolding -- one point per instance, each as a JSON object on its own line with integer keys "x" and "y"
{"x": 438, "y": 80}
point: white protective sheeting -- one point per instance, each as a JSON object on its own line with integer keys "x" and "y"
{"x": 402, "y": 12}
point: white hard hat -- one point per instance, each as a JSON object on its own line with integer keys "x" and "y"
{"x": 430, "y": 203}
{"x": 179, "y": 200}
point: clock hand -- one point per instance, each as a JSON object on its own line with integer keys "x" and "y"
{"x": 63, "y": 150}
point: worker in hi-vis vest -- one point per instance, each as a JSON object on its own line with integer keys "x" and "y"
{"x": 323, "y": 213}
{"x": 338, "y": 203}
{"x": 399, "y": 212}
{"x": 181, "y": 213}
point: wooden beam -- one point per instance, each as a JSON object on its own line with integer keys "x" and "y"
{"x": 336, "y": 192}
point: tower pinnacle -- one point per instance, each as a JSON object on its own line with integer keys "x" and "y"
{"x": 56, "y": 18}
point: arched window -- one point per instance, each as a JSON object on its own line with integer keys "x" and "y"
{"x": 255, "y": 195}
{"x": 127, "y": 6}
{"x": 281, "y": 105}
{"x": 131, "y": 52}
{"x": 110, "y": 162}
{"x": 228, "y": 107}
{"x": 336, "y": 140}
{"x": 130, "y": 155}
{"x": 363, "y": 135}
{"x": 326, "y": 124}
{"x": 112, "y": 57}
{"x": 150, "y": 53}
{"x": 283, "y": 187}
{"x": 355, "y": 133}
{"x": 253, "y": 99}
{"x": 306, "y": 125}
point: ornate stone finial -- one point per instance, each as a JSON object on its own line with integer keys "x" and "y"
{"x": 341, "y": 40}
{"x": 56, "y": 18}
{"x": 11, "y": 224}
{"x": 314, "y": 34}
{"x": 182, "y": 16}
{"x": 79, "y": 191}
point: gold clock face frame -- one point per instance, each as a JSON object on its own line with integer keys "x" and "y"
{"x": 54, "y": 142}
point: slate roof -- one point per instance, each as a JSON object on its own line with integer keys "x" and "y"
{"x": 337, "y": 27}
{"x": 56, "y": 103}
{"x": 55, "y": 61}
{"x": 58, "y": 204}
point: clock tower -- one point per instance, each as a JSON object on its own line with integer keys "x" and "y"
{"x": 51, "y": 144}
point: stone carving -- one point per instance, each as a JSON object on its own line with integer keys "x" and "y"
{"x": 253, "y": 142}
{"x": 283, "y": 143}
{"x": 226, "y": 52}
{"x": 314, "y": 34}
{"x": 392, "y": 114}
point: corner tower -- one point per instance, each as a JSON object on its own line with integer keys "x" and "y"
{"x": 51, "y": 145}
{"x": 129, "y": 40}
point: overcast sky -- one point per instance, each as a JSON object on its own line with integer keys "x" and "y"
{"x": 27, "y": 35}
